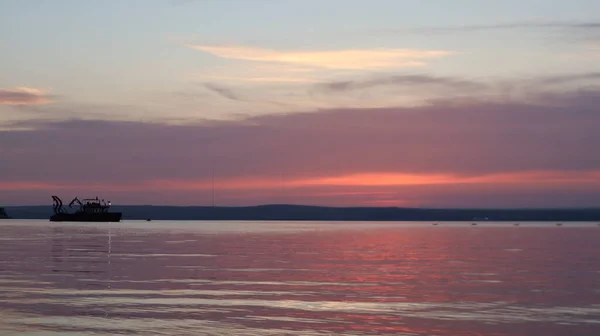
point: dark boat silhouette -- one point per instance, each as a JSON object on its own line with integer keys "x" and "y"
{"x": 90, "y": 210}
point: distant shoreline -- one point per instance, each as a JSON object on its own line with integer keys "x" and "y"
{"x": 3, "y": 214}
{"x": 319, "y": 213}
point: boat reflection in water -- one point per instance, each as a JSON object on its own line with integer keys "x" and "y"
{"x": 77, "y": 255}
{"x": 90, "y": 210}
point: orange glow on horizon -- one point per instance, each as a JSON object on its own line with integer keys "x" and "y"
{"x": 378, "y": 179}
{"x": 394, "y": 179}
{"x": 351, "y": 180}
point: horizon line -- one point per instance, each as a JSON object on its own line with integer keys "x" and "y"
{"x": 327, "y": 206}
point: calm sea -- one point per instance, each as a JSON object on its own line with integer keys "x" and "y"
{"x": 293, "y": 278}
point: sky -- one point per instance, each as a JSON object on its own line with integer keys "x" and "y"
{"x": 409, "y": 103}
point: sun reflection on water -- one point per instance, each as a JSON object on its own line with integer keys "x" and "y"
{"x": 348, "y": 279}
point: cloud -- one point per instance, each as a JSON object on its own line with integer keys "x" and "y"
{"x": 403, "y": 80}
{"x": 589, "y": 26}
{"x": 263, "y": 79}
{"x": 422, "y": 89}
{"x": 445, "y": 138}
{"x": 223, "y": 92}
{"x": 540, "y": 146}
{"x": 573, "y": 32}
{"x": 569, "y": 78}
{"x": 335, "y": 59}
{"x": 33, "y": 116}
{"x": 234, "y": 95}
{"x": 24, "y": 96}
{"x": 259, "y": 73}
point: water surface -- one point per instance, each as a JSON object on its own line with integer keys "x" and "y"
{"x": 299, "y": 278}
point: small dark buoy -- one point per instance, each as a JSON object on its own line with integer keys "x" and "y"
{"x": 558, "y": 224}
{"x": 147, "y": 220}
{"x": 517, "y": 224}
{"x": 437, "y": 224}
{"x": 473, "y": 223}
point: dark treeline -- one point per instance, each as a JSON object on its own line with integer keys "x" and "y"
{"x": 315, "y": 213}
{"x": 3, "y": 214}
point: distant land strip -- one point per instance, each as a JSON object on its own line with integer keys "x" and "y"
{"x": 319, "y": 213}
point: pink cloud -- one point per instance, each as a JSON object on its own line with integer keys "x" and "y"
{"x": 360, "y": 59}
{"x": 24, "y": 96}
{"x": 424, "y": 155}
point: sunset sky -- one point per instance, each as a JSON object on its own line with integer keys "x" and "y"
{"x": 420, "y": 103}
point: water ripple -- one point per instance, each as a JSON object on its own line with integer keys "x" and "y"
{"x": 299, "y": 279}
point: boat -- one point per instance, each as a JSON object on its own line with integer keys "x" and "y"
{"x": 90, "y": 210}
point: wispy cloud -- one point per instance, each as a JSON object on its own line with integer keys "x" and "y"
{"x": 422, "y": 89}
{"x": 569, "y": 78}
{"x": 263, "y": 79}
{"x": 24, "y": 96}
{"x": 402, "y": 80}
{"x": 263, "y": 73}
{"x": 223, "y": 91}
{"x": 333, "y": 59}
{"x": 237, "y": 96}
{"x": 588, "y": 25}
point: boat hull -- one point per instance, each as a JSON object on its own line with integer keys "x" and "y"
{"x": 87, "y": 217}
